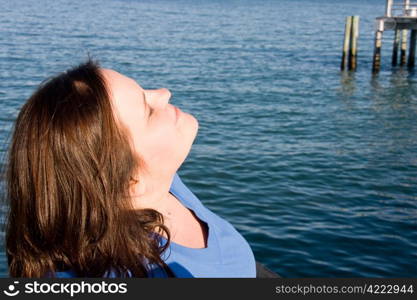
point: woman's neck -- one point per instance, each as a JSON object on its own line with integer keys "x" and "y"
{"x": 152, "y": 192}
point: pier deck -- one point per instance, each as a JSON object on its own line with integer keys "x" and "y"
{"x": 393, "y": 23}
{"x": 400, "y": 16}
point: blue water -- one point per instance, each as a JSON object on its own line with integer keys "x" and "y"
{"x": 316, "y": 168}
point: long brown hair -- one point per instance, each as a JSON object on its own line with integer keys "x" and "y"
{"x": 67, "y": 179}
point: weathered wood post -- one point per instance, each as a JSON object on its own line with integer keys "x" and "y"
{"x": 404, "y": 35}
{"x": 388, "y": 13}
{"x": 395, "y": 47}
{"x": 403, "y": 52}
{"x": 412, "y": 53}
{"x": 346, "y": 43}
{"x": 406, "y": 6}
{"x": 354, "y": 43}
{"x": 376, "y": 65}
{"x": 388, "y": 8}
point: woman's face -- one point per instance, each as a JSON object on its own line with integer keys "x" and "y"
{"x": 161, "y": 133}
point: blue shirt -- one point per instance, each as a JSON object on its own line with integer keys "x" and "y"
{"x": 227, "y": 253}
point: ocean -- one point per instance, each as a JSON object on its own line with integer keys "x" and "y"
{"x": 315, "y": 167}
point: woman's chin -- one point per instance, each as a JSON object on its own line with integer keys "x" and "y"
{"x": 192, "y": 130}
{"x": 196, "y": 124}
{"x": 191, "y": 125}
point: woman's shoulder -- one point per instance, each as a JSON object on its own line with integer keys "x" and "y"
{"x": 177, "y": 182}
{"x": 183, "y": 193}
{"x": 73, "y": 274}
{"x": 62, "y": 274}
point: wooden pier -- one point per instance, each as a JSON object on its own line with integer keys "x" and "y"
{"x": 400, "y": 16}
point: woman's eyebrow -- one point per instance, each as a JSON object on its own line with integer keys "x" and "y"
{"x": 144, "y": 100}
{"x": 144, "y": 105}
{"x": 143, "y": 94}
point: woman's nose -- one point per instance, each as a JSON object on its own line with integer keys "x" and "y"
{"x": 158, "y": 98}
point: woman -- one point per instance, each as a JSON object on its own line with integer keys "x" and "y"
{"x": 93, "y": 187}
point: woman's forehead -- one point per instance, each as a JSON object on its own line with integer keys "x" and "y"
{"x": 117, "y": 81}
{"x": 125, "y": 94}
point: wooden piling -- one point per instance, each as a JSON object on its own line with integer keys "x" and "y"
{"x": 403, "y": 53}
{"x": 395, "y": 47}
{"x": 412, "y": 53}
{"x": 354, "y": 43}
{"x": 346, "y": 43}
{"x": 388, "y": 8}
{"x": 377, "y": 52}
{"x": 406, "y": 6}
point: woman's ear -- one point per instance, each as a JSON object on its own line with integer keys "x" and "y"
{"x": 137, "y": 187}
{"x": 133, "y": 180}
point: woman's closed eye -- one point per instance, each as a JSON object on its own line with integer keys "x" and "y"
{"x": 150, "y": 111}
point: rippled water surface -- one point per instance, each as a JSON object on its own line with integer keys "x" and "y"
{"x": 316, "y": 168}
